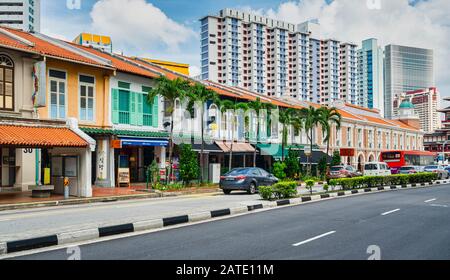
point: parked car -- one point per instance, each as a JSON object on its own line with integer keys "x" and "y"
{"x": 377, "y": 169}
{"x": 442, "y": 173}
{"x": 343, "y": 171}
{"x": 409, "y": 170}
{"x": 248, "y": 179}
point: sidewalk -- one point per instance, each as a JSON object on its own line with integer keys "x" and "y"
{"x": 28, "y": 223}
{"x": 23, "y": 200}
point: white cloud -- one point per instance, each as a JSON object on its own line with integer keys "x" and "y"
{"x": 138, "y": 26}
{"x": 426, "y": 24}
{"x": 194, "y": 71}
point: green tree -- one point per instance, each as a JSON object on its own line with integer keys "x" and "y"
{"x": 328, "y": 118}
{"x": 293, "y": 164}
{"x": 287, "y": 116}
{"x": 279, "y": 170}
{"x": 198, "y": 93}
{"x": 189, "y": 169}
{"x": 169, "y": 90}
{"x": 336, "y": 160}
{"x": 257, "y": 105}
{"x": 225, "y": 105}
{"x": 322, "y": 166}
{"x": 311, "y": 117}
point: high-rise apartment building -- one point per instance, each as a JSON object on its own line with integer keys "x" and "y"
{"x": 348, "y": 72}
{"x": 370, "y": 75}
{"x": 21, "y": 14}
{"x": 406, "y": 69}
{"x": 277, "y": 58}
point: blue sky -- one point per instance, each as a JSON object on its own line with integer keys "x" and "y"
{"x": 169, "y": 29}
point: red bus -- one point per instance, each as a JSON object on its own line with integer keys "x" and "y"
{"x": 397, "y": 159}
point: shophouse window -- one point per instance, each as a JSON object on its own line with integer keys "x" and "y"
{"x": 87, "y": 95}
{"x": 6, "y": 83}
{"x": 57, "y": 81}
{"x": 147, "y": 108}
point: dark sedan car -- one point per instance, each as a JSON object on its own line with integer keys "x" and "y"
{"x": 246, "y": 179}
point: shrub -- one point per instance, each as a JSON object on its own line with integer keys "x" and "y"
{"x": 310, "y": 184}
{"x": 280, "y": 190}
{"x": 326, "y": 187}
{"x": 278, "y": 170}
{"x": 189, "y": 168}
{"x": 336, "y": 158}
{"x": 286, "y": 189}
{"x": 293, "y": 164}
{"x": 266, "y": 192}
{"x": 377, "y": 181}
{"x": 322, "y": 167}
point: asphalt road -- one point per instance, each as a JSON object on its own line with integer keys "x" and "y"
{"x": 28, "y": 223}
{"x": 410, "y": 224}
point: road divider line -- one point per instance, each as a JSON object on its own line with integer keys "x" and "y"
{"x": 314, "y": 238}
{"x": 390, "y": 212}
{"x": 430, "y": 200}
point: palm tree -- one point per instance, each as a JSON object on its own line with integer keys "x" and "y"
{"x": 170, "y": 90}
{"x": 257, "y": 105}
{"x": 199, "y": 93}
{"x": 312, "y": 117}
{"x": 287, "y": 116}
{"x": 225, "y": 105}
{"x": 328, "y": 117}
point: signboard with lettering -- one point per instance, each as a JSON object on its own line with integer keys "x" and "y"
{"x": 123, "y": 176}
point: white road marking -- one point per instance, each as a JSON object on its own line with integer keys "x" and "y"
{"x": 390, "y": 212}
{"x": 438, "y": 205}
{"x": 314, "y": 238}
{"x": 430, "y": 200}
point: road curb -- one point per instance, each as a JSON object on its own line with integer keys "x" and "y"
{"x": 154, "y": 224}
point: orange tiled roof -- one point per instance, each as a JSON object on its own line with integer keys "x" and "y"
{"x": 34, "y": 136}
{"x": 41, "y": 47}
{"x": 120, "y": 64}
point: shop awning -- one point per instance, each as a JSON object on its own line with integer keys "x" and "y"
{"x": 238, "y": 147}
{"x": 275, "y": 151}
{"x": 144, "y": 142}
{"x": 208, "y": 148}
{"x": 39, "y": 137}
{"x": 316, "y": 156}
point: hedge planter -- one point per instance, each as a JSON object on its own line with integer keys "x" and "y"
{"x": 380, "y": 181}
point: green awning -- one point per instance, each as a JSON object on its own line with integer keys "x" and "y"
{"x": 130, "y": 133}
{"x": 274, "y": 150}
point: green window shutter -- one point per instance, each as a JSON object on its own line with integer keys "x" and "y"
{"x": 124, "y": 85}
{"x": 155, "y": 113}
{"x": 139, "y": 112}
{"x": 115, "y": 106}
{"x": 133, "y": 109}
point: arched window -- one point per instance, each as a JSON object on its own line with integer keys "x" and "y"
{"x": 6, "y": 83}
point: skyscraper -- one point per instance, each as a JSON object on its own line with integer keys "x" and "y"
{"x": 406, "y": 69}
{"x": 370, "y": 75}
{"x": 277, "y": 58}
{"x": 21, "y": 14}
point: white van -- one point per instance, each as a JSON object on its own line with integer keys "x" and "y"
{"x": 376, "y": 169}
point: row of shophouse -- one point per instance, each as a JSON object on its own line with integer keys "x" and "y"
{"x": 77, "y": 112}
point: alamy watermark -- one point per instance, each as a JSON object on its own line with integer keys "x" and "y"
{"x": 374, "y": 4}
{"x": 73, "y": 4}
{"x": 374, "y": 253}
{"x": 74, "y": 253}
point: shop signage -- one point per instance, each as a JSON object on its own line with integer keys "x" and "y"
{"x": 116, "y": 144}
{"x": 347, "y": 152}
{"x": 124, "y": 176}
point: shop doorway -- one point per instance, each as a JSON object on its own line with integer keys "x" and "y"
{"x": 136, "y": 159}
{"x": 7, "y": 167}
